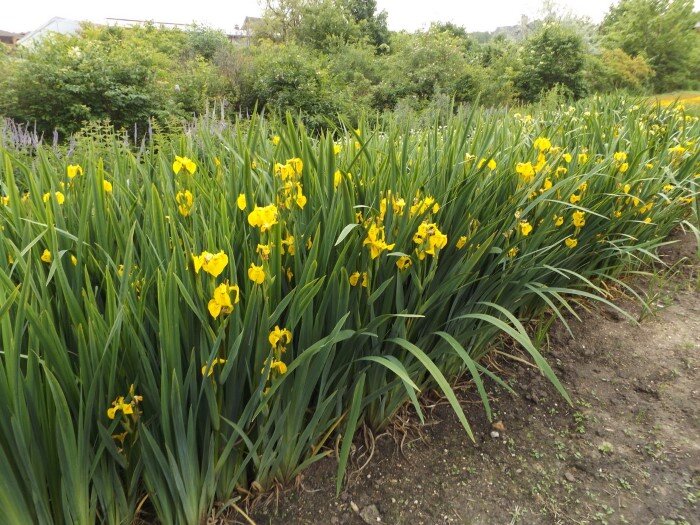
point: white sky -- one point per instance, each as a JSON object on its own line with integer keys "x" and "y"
{"x": 475, "y": 15}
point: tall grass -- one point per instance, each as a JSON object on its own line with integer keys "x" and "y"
{"x": 101, "y": 307}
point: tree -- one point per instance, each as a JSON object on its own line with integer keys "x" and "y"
{"x": 553, "y": 56}
{"x": 372, "y": 24}
{"x": 326, "y": 24}
{"x": 662, "y": 31}
{"x": 206, "y": 42}
{"x": 460, "y": 32}
{"x": 319, "y": 24}
{"x": 280, "y": 20}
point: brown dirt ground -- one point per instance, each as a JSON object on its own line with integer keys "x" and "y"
{"x": 627, "y": 451}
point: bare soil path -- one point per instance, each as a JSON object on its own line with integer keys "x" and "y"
{"x": 628, "y": 451}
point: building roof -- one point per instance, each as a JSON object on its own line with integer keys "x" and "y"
{"x": 59, "y": 25}
{"x": 131, "y": 22}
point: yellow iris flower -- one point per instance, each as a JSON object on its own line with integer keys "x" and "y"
{"x": 571, "y": 242}
{"x": 525, "y": 228}
{"x": 74, "y": 169}
{"x": 184, "y": 162}
{"x": 279, "y": 337}
{"x": 404, "y": 263}
{"x": 542, "y": 144}
{"x": 208, "y": 370}
{"x": 222, "y": 302}
{"x": 256, "y": 273}
{"x": 375, "y": 241}
{"x": 60, "y": 198}
{"x": 212, "y": 263}
{"x": 263, "y": 218}
{"x": 185, "y": 201}
{"x": 526, "y": 171}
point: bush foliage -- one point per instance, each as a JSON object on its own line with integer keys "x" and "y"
{"x": 330, "y": 58}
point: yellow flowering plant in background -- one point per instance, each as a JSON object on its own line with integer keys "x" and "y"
{"x": 429, "y": 239}
{"x": 208, "y": 369}
{"x": 578, "y": 218}
{"x": 525, "y": 228}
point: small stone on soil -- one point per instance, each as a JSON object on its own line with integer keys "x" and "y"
{"x": 370, "y": 514}
{"x": 569, "y": 476}
{"x": 494, "y": 434}
{"x": 499, "y": 426}
{"x": 532, "y": 397}
{"x": 647, "y": 389}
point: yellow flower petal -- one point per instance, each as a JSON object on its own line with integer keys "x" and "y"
{"x": 256, "y": 274}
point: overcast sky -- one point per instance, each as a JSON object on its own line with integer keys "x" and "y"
{"x": 475, "y": 15}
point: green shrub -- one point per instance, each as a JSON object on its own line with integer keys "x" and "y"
{"x": 355, "y": 73}
{"x": 126, "y": 76}
{"x": 333, "y": 60}
{"x": 371, "y": 24}
{"x": 420, "y": 66}
{"x": 61, "y": 83}
{"x": 206, "y": 42}
{"x": 615, "y": 70}
{"x": 326, "y": 25}
{"x": 552, "y": 56}
{"x": 287, "y": 77}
